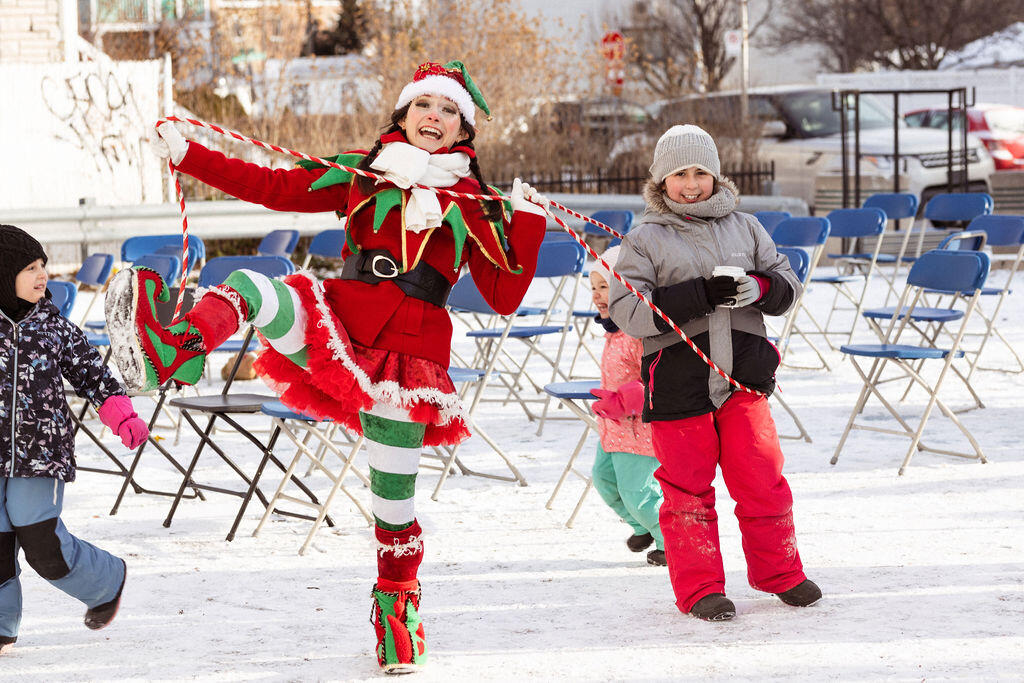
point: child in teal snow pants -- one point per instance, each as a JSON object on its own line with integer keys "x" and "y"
{"x": 624, "y": 466}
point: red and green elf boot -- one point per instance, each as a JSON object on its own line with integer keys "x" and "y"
{"x": 401, "y": 647}
{"x": 147, "y": 353}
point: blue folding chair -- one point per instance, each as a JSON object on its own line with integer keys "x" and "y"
{"x": 809, "y": 233}
{"x": 993, "y": 231}
{"x": 314, "y": 441}
{"x": 560, "y": 267}
{"x": 769, "y": 219}
{"x": 958, "y": 208}
{"x": 620, "y": 220}
{"x": 217, "y": 270}
{"x": 278, "y": 243}
{"x": 573, "y": 396}
{"x": 134, "y": 247}
{"x": 326, "y": 244}
{"x": 945, "y": 270}
{"x": 94, "y": 272}
{"x": 898, "y": 206}
{"x": 62, "y": 295}
{"x": 800, "y": 262}
{"x": 222, "y": 406}
{"x": 167, "y": 266}
{"x": 859, "y": 226}
{"x": 473, "y": 377}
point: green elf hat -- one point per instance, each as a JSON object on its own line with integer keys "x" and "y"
{"x": 447, "y": 80}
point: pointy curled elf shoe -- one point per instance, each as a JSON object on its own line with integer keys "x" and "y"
{"x": 401, "y": 647}
{"x": 148, "y": 353}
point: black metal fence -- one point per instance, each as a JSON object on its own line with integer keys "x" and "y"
{"x": 750, "y": 179}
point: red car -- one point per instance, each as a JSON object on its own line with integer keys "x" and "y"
{"x": 999, "y": 126}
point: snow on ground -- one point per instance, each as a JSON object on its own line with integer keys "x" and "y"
{"x": 923, "y": 574}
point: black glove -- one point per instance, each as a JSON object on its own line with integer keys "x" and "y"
{"x": 720, "y": 290}
{"x": 691, "y": 299}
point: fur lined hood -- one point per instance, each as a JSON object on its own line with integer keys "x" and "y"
{"x": 724, "y": 201}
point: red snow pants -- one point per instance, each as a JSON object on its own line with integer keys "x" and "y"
{"x": 740, "y": 436}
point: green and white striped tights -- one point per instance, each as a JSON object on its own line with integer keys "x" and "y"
{"x": 393, "y": 442}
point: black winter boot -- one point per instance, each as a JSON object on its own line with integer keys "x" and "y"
{"x": 714, "y": 607}
{"x": 639, "y": 542}
{"x": 101, "y": 615}
{"x": 657, "y": 558}
{"x": 7, "y": 644}
{"x": 801, "y": 595}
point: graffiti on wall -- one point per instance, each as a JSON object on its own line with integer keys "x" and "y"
{"x": 100, "y": 115}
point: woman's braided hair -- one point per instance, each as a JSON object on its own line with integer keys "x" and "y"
{"x": 491, "y": 208}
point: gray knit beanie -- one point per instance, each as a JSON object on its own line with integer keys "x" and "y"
{"x": 682, "y": 147}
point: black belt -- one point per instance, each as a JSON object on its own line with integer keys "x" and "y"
{"x": 424, "y": 282}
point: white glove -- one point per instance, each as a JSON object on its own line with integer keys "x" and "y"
{"x": 525, "y": 198}
{"x": 747, "y": 291}
{"x": 168, "y": 143}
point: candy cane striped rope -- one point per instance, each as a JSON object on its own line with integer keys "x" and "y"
{"x": 440, "y": 190}
{"x": 637, "y": 294}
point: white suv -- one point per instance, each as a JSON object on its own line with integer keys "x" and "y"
{"x": 801, "y": 134}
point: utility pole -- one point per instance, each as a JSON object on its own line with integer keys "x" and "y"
{"x": 744, "y": 69}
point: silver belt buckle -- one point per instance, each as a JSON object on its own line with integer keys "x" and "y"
{"x": 388, "y": 262}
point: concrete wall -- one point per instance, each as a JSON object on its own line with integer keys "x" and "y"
{"x": 79, "y": 129}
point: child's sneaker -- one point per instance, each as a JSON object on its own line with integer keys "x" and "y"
{"x": 401, "y": 647}
{"x": 657, "y": 558}
{"x": 801, "y": 595}
{"x": 147, "y": 353}
{"x": 714, "y": 607}
{"x": 100, "y": 616}
{"x": 639, "y": 542}
{"x": 7, "y": 644}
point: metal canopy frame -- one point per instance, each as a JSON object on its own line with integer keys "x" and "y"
{"x": 847, "y": 101}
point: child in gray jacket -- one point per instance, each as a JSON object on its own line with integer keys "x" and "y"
{"x": 700, "y": 421}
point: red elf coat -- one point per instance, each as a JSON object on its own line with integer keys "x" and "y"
{"x": 370, "y": 343}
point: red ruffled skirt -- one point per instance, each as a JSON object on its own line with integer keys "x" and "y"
{"x": 341, "y": 378}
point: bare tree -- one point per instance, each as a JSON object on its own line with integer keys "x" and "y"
{"x": 678, "y": 46}
{"x": 894, "y": 34}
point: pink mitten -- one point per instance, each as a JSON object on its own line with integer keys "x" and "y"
{"x": 118, "y": 414}
{"x": 632, "y": 394}
{"x": 609, "y": 404}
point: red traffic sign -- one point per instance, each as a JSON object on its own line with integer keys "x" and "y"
{"x": 613, "y": 45}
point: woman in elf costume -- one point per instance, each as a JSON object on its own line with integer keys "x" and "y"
{"x": 370, "y": 349}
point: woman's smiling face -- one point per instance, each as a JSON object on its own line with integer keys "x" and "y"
{"x": 689, "y": 185}
{"x": 432, "y": 122}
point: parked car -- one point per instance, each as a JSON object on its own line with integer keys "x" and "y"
{"x": 800, "y": 132}
{"x": 1000, "y": 127}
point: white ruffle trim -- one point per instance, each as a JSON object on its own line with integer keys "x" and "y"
{"x": 389, "y": 392}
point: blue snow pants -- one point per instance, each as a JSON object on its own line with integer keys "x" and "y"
{"x": 30, "y": 520}
{"x": 625, "y": 481}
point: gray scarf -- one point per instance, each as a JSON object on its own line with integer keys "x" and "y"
{"x": 721, "y": 203}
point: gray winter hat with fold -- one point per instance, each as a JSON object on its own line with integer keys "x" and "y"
{"x": 682, "y": 147}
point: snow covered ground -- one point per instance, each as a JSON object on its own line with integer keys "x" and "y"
{"x": 923, "y": 574}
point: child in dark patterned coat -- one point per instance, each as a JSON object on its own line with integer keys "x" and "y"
{"x": 39, "y": 348}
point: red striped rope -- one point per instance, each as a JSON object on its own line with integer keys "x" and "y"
{"x": 464, "y": 195}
